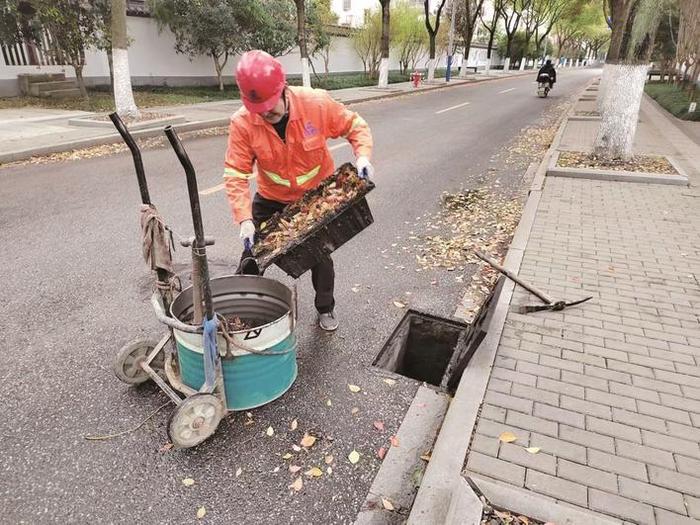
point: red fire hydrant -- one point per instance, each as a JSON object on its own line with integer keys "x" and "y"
{"x": 416, "y": 78}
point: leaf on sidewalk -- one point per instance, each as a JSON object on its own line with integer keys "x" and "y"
{"x": 426, "y": 457}
{"x": 394, "y": 441}
{"x": 390, "y": 382}
{"x": 381, "y": 452}
{"x": 399, "y": 304}
{"x": 388, "y": 505}
{"x": 533, "y": 450}
{"x": 507, "y": 437}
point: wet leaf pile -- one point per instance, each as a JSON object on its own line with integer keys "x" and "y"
{"x": 640, "y": 163}
{"x": 492, "y": 516}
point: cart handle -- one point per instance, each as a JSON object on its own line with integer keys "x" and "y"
{"x": 175, "y": 324}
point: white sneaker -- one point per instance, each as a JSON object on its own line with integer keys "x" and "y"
{"x": 328, "y": 322}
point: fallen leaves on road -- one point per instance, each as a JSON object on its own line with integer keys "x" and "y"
{"x": 308, "y": 441}
{"x": 239, "y": 471}
{"x": 533, "y": 450}
{"x": 354, "y": 388}
{"x": 314, "y": 472}
{"x": 201, "y": 512}
{"x": 507, "y": 437}
{"x": 294, "y": 425}
{"x": 270, "y": 431}
{"x": 296, "y": 448}
{"x": 328, "y": 459}
{"x": 354, "y": 457}
{"x": 379, "y": 425}
{"x": 166, "y": 448}
{"x": 399, "y": 304}
{"x": 329, "y": 403}
{"x": 287, "y": 456}
{"x": 297, "y": 485}
{"x": 640, "y": 163}
{"x": 394, "y": 441}
{"x": 387, "y": 504}
{"x": 354, "y": 410}
{"x": 390, "y": 382}
{"x": 426, "y": 457}
{"x": 381, "y": 452}
{"x": 294, "y": 468}
{"x": 188, "y": 482}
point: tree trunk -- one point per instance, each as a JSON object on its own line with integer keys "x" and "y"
{"x": 384, "y": 62}
{"x": 620, "y": 13}
{"x": 219, "y": 70}
{"x": 81, "y": 82}
{"x": 468, "y": 35}
{"x": 301, "y": 39}
{"x": 123, "y": 94}
{"x": 110, "y": 64}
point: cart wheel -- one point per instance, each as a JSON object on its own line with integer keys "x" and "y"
{"x": 127, "y": 364}
{"x": 194, "y": 420}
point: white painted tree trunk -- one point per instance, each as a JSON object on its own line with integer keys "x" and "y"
{"x": 123, "y": 95}
{"x": 522, "y": 64}
{"x": 383, "y": 73}
{"x": 506, "y": 65}
{"x": 602, "y": 87}
{"x": 431, "y": 69}
{"x": 305, "y": 72}
{"x": 623, "y": 96}
{"x": 487, "y": 68}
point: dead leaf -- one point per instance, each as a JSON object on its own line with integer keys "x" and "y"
{"x": 387, "y": 504}
{"x": 239, "y": 471}
{"x": 270, "y": 431}
{"x": 524, "y": 519}
{"x": 390, "y": 382}
{"x": 294, "y": 425}
{"x": 329, "y": 471}
{"x": 308, "y": 441}
{"x": 296, "y": 448}
{"x": 297, "y": 485}
{"x": 355, "y": 289}
{"x": 354, "y": 388}
{"x": 314, "y": 472}
{"x": 426, "y": 457}
{"x": 533, "y": 450}
{"x": 188, "y": 482}
{"x": 379, "y": 425}
{"x": 354, "y": 410}
{"x": 354, "y": 457}
{"x": 328, "y": 403}
{"x": 381, "y": 452}
{"x": 328, "y": 460}
{"x": 399, "y": 304}
{"x": 287, "y": 456}
{"x": 294, "y": 468}
{"x": 394, "y": 441}
{"x": 166, "y": 447}
{"x": 201, "y": 512}
{"x": 507, "y": 437}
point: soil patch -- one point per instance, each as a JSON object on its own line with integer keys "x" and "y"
{"x": 143, "y": 116}
{"x": 639, "y": 163}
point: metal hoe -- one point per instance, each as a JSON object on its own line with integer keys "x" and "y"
{"x": 550, "y": 303}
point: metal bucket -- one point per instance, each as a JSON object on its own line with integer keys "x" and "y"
{"x": 251, "y": 379}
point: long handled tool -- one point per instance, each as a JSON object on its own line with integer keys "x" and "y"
{"x": 550, "y": 303}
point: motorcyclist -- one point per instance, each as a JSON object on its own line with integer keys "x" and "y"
{"x": 547, "y": 69}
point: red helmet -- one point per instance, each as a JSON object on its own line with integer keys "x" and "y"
{"x": 261, "y": 80}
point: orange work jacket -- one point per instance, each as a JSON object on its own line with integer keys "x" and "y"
{"x": 287, "y": 169}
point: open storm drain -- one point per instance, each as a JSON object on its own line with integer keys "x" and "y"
{"x": 434, "y": 349}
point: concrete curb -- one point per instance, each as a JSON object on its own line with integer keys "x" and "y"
{"x": 112, "y": 138}
{"x": 88, "y": 122}
{"x": 442, "y": 488}
{"x": 584, "y": 117}
{"x": 619, "y": 176}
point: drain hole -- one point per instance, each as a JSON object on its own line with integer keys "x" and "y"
{"x": 434, "y": 349}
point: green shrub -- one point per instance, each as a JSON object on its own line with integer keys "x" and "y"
{"x": 673, "y": 99}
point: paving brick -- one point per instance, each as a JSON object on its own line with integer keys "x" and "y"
{"x": 585, "y": 407}
{"x": 693, "y": 370}
{"x": 665, "y": 336}
{"x": 583, "y": 358}
{"x": 605, "y": 334}
{"x": 516, "y": 454}
{"x": 604, "y": 373}
{"x": 620, "y": 507}
{"x": 630, "y": 368}
{"x": 607, "y": 353}
{"x": 562, "y": 343}
{"x": 495, "y": 468}
{"x": 587, "y": 476}
{"x": 656, "y": 496}
{"x": 494, "y": 413}
{"x": 507, "y": 401}
{"x": 564, "y": 364}
{"x": 584, "y": 380}
{"x": 540, "y": 349}
{"x": 670, "y": 443}
{"x": 683, "y": 431}
{"x": 635, "y": 392}
{"x": 630, "y": 348}
{"x": 518, "y": 355}
{"x": 613, "y": 400}
{"x": 652, "y": 362}
{"x": 528, "y": 392}
{"x": 686, "y": 465}
{"x": 531, "y": 423}
{"x": 690, "y": 392}
{"x": 557, "y": 414}
{"x": 645, "y": 341}
{"x": 644, "y": 454}
{"x": 505, "y": 362}
{"x": 653, "y": 384}
{"x": 485, "y": 445}
{"x": 611, "y": 428}
{"x": 494, "y": 429}
{"x": 544, "y": 383}
{"x": 671, "y": 414}
{"x": 498, "y": 385}
{"x": 538, "y": 370}
{"x": 681, "y": 379}
{"x": 639, "y": 420}
{"x": 674, "y": 480}
{"x": 617, "y": 464}
{"x": 513, "y": 377}
{"x": 586, "y": 438}
{"x": 559, "y": 448}
{"x": 557, "y": 488}
{"x": 693, "y": 506}
{"x": 672, "y": 356}
{"x": 664, "y": 517}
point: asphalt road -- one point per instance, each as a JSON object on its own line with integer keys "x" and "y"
{"x": 75, "y": 289}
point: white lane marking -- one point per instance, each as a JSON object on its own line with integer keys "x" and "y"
{"x": 220, "y": 187}
{"x": 506, "y": 90}
{"x": 453, "y": 107}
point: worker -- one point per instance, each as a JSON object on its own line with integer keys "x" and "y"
{"x": 279, "y": 138}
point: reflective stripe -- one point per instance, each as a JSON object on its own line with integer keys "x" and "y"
{"x": 277, "y": 179}
{"x": 231, "y": 173}
{"x": 306, "y": 177}
{"x": 357, "y": 121}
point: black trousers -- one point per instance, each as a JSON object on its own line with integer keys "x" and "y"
{"x": 322, "y": 275}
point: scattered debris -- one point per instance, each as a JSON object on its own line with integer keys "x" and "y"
{"x": 354, "y": 388}
{"x": 642, "y": 163}
{"x": 201, "y": 512}
{"x": 308, "y": 441}
{"x": 388, "y": 505}
{"x": 354, "y": 457}
{"x": 297, "y": 485}
{"x": 188, "y": 482}
{"x": 270, "y": 431}
{"x": 507, "y": 437}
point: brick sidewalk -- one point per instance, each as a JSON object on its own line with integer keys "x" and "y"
{"x": 609, "y": 390}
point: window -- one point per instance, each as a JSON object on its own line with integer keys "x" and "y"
{"x": 347, "y": 5}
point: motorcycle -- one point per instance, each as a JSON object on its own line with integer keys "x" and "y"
{"x": 543, "y": 85}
